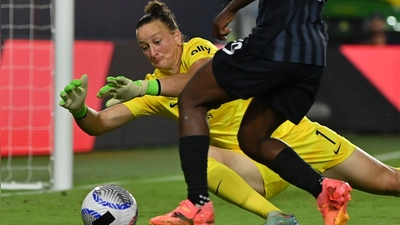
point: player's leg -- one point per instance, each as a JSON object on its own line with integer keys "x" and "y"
{"x": 258, "y": 124}
{"x": 194, "y": 103}
{"x": 227, "y": 169}
{"x": 229, "y": 186}
{"x": 241, "y": 165}
{"x": 251, "y": 182}
{"x": 256, "y": 128}
{"x": 336, "y": 157}
{"x": 200, "y": 94}
{"x": 365, "y": 173}
{"x": 255, "y": 140}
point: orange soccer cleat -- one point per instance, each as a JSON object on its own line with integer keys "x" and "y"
{"x": 333, "y": 200}
{"x": 187, "y": 214}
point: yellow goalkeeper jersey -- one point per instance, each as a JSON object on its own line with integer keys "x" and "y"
{"x": 224, "y": 121}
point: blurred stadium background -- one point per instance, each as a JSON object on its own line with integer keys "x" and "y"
{"x": 359, "y": 95}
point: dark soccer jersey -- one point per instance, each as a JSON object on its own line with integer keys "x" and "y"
{"x": 290, "y": 31}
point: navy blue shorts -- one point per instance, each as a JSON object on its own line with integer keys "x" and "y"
{"x": 289, "y": 88}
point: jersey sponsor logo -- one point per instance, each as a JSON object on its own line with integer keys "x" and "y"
{"x": 338, "y": 149}
{"x": 173, "y": 104}
{"x": 201, "y": 48}
{"x": 216, "y": 190}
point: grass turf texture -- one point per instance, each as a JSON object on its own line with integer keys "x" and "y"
{"x": 139, "y": 172}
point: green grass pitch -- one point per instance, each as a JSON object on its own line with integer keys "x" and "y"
{"x": 154, "y": 177}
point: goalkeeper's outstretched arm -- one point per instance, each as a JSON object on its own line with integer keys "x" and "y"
{"x": 99, "y": 122}
{"x": 123, "y": 89}
{"x": 94, "y": 123}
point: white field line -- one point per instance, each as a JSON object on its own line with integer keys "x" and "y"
{"x": 380, "y": 157}
{"x": 388, "y": 156}
{"x": 90, "y": 186}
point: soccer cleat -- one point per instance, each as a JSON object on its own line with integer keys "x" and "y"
{"x": 187, "y": 214}
{"x": 281, "y": 219}
{"x": 333, "y": 200}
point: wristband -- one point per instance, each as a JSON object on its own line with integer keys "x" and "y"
{"x": 81, "y": 114}
{"x": 153, "y": 87}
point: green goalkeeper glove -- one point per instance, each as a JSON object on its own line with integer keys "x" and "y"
{"x": 123, "y": 89}
{"x": 74, "y": 96}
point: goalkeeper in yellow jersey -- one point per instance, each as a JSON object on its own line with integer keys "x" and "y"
{"x": 175, "y": 61}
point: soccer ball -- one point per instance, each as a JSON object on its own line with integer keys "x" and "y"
{"x": 109, "y": 204}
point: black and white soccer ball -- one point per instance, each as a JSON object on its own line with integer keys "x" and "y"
{"x": 109, "y": 205}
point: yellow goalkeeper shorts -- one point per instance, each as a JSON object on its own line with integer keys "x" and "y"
{"x": 318, "y": 145}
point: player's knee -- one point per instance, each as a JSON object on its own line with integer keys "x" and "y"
{"x": 247, "y": 145}
{"x": 189, "y": 103}
{"x": 393, "y": 184}
{"x": 184, "y": 100}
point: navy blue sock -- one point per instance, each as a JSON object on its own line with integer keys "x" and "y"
{"x": 193, "y": 152}
{"x": 296, "y": 171}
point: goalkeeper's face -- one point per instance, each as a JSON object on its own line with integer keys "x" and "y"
{"x": 162, "y": 47}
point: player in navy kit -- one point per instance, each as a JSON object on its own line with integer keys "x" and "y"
{"x": 279, "y": 65}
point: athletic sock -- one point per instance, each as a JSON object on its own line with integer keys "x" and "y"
{"x": 296, "y": 171}
{"x": 228, "y": 185}
{"x": 193, "y": 152}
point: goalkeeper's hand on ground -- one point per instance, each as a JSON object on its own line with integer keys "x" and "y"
{"x": 74, "y": 96}
{"x": 123, "y": 89}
